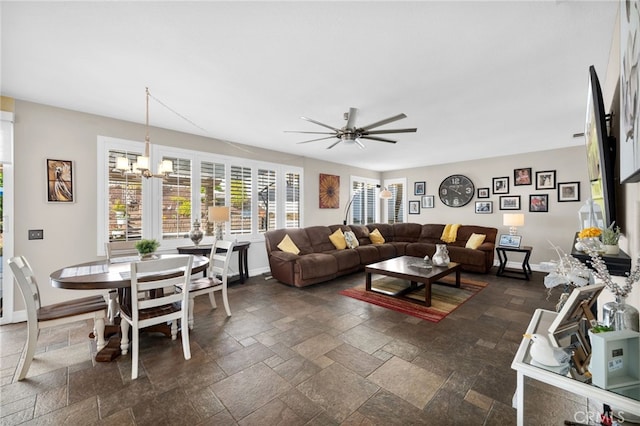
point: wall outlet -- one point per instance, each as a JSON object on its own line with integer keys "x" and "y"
{"x": 36, "y": 234}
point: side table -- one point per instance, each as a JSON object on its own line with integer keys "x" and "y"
{"x": 525, "y": 274}
{"x": 241, "y": 247}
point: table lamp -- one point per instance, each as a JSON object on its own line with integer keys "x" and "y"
{"x": 218, "y": 215}
{"x": 513, "y": 220}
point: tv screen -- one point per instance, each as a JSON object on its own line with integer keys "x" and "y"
{"x": 600, "y": 152}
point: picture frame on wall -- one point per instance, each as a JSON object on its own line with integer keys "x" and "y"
{"x": 419, "y": 188}
{"x": 546, "y": 180}
{"x": 522, "y": 176}
{"x": 60, "y": 184}
{"x": 501, "y": 185}
{"x": 568, "y": 191}
{"x": 484, "y": 207}
{"x": 414, "y": 207}
{"x": 427, "y": 201}
{"x": 510, "y": 202}
{"x": 483, "y": 192}
{"x": 329, "y": 191}
{"x": 539, "y": 203}
{"x": 629, "y": 142}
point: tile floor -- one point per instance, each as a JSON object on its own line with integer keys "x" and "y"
{"x": 293, "y": 357}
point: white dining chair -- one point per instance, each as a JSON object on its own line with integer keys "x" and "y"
{"x": 216, "y": 279}
{"x": 40, "y": 317}
{"x": 156, "y": 278}
{"x": 118, "y": 251}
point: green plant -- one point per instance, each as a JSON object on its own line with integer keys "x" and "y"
{"x": 119, "y": 207}
{"x": 611, "y": 235}
{"x": 147, "y": 246}
{"x": 599, "y": 328}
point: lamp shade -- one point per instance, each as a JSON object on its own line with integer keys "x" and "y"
{"x": 513, "y": 219}
{"x": 219, "y": 214}
{"x": 385, "y": 194}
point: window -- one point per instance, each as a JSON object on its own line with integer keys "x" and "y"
{"x": 261, "y": 196}
{"x": 364, "y": 201}
{"x": 395, "y": 206}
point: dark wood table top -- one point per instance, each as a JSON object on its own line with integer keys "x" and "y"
{"x": 101, "y": 274}
{"x": 409, "y": 266}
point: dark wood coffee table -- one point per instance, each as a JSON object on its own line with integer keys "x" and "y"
{"x": 413, "y": 270}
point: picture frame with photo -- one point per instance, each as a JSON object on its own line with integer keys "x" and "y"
{"x": 546, "y": 179}
{"x": 539, "y": 203}
{"x": 427, "y": 201}
{"x": 568, "y": 191}
{"x": 510, "y": 202}
{"x": 511, "y": 241}
{"x": 483, "y": 192}
{"x": 484, "y": 207}
{"x": 501, "y": 185}
{"x": 60, "y": 183}
{"x": 522, "y": 176}
{"x": 419, "y": 188}
{"x": 414, "y": 207}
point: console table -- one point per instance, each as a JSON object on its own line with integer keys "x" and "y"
{"x": 241, "y": 247}
{"x": 617, "y": 264}
{"x": 628, "y": 400}
{"x": 525, "y": 274}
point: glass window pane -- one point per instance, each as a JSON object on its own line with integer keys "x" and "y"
{"x": 212, "y": 191}
{"x": 240, "y": 195}
{"x": 176, "y": 200}
{"x": 292, "y": 206}
{"x": 395, "y": 205}
{"x": 125, "y": 200}
{"x": 266, "y": 200}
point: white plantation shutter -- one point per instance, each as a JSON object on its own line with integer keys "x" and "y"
{"x": 6, "y": 132}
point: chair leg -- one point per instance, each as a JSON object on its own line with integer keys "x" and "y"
{"x": 186, "y": 349}
{"x": 226, "y": 301}
{"x": 174, "y": 329}
{"x": 124, "y": 340}
{"x": 98, "y": 326}
{"x": 113, "y": 306}
{"x": 212, "y": 299}
{"x": 134, "y": 353}
{"x": 191, "y": 312}
{"x": 30, "y": 349}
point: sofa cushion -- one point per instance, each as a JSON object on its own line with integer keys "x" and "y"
{"x": 319, "y": 238}
{"x": 406, "y": 232}
{"x": 362, "y": 233}
{"x": 376, "y": 237}
{"x": 475, "y": 240}
{"x": 431, "y": 233}
{"x": 337, "y": 238}
{"x": 368, "y": 254}
{"x": 386, "y": 251}
{"x": 348, "y": 260}
{"x": 287, "y": 245}
{"x": 351, "y": 240}
{"x": 316, "y": 265}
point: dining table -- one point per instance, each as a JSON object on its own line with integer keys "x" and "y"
{"x": 112, "y": 275}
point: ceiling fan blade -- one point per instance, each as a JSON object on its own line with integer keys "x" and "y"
{"x": 360, "y": 144}
{"x": 321, "y": 124}
{"x": 385, "y": 121}
{"x": 380, "y": 132}
{"x": 374, "y": 138}
{"x": 351, "y": 121}
{"x": 313, "y": 133}
{"x": 319, "y": 139}
{"x": 334, "y": 144}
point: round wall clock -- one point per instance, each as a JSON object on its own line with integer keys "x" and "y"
{"x": 456, "y": 191}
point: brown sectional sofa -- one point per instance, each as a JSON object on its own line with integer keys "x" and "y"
{"x": 320, "y": 261}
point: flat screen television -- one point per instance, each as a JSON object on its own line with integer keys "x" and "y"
{"x": 601, "y": 152}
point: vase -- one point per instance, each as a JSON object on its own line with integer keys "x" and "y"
{"x": 611, "y": 249}
{"x": 146, "y": 256}
{"x": 620, "y": 316}
{"x": 441, "y": 256}
{"x": 196, "y": 234}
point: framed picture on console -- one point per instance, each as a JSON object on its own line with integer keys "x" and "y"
{"x": 511, "y": 241}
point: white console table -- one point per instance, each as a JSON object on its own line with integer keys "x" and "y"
{"x": 540, "y": 323}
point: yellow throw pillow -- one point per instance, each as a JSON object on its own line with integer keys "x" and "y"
{"x": 337, "y": 239}
{"x": 287, "y": 245}
{"x": 475, "y": 240}
{"x": 376, "y": 237}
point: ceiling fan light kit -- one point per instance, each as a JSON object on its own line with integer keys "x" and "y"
{"x": 350, "y": 133}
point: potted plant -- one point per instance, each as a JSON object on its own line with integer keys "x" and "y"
{"x": 121, "y": 212}
{"x": 146, "y": 248}
{"x": 610, "y": 237}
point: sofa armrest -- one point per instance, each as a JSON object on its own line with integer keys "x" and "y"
{"x": 486, "y": 247}
{"x": 283, "y": 256}
{"x": 282, "y": 266}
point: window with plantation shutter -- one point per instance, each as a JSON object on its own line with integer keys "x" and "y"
{"x": 395, "y": 206}
{"x": 364, "y": 201}
{"x": 176, "y": 200}
{"x": 240, "y": 190}
{"x": 292, "y": 201}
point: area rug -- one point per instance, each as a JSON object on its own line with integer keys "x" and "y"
{"x": 444, "y": 299}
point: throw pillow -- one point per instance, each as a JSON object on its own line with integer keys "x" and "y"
{"x": 351, "y": 239}
{"x": 287, "y": 245}
{"x": 475, "y": 240}
{"x": 376, "y": 237}
{"x": 337, "y": 239}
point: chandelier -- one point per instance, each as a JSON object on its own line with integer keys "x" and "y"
{"x": 141, "y": 165}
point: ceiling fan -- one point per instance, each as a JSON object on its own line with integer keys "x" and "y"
{"x": 352, "y": 134}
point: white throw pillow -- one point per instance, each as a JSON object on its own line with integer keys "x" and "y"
{"x": 351, "y": 239}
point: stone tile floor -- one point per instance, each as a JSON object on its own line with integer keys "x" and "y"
{"x": 293, "y": 357}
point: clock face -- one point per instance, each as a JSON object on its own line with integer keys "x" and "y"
{"x": 456, "y": 191}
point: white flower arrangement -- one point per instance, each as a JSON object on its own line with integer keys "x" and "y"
{"x": 601, "y": 272}
{"x": 568, "y": 272}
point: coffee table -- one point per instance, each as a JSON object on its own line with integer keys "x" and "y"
{"x": 413, "y": 270}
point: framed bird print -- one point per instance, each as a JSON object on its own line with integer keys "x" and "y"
{"x": 60, "y": 181}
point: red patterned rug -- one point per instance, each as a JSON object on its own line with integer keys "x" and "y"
{"x": 444, "y": 299}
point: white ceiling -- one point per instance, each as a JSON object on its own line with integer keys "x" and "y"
{"x": 478, "y": 79}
